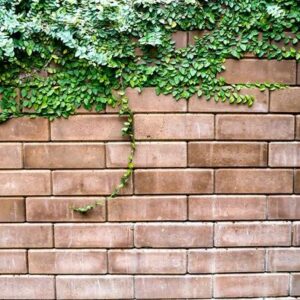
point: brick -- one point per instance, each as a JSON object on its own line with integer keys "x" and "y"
{"x": 298, "y": 74}
{"x": 67, "y": 261}
{"x": 296, "y": 234}
{"x": 27, "y": 287}
{"x": 11, "y": 156}
{"x": 192, "y": 34}
{"x": 173, "y": 287}
{"x": 284, "y": 207}
{"x": 87, "y": 128}
{"x": 173, "y": 235}
{"x": 147, "y": 261}
{"x": 298, "y": 127}
{"x": 174, "y": 126}
{"x": 280, "y": 260}
{"x": 254, "y": 181}
{"x": 254, "y": 127}
{"x": 21, "y": 183}
{"x": 93, "y": 236}
{"x": 260, "y": 70}
{"x": 26, "y": 236}
{"x": 100, "y": 182}
{"x": 295, "y": 285}
{"x": 12, "y": 210}
{"x": 205, "y": 208}
{"x": 147, "y": 208}
{"x": 255, "y": 234}
{"x": 284, "y": 154}
{"x": 251, "y": 285}
{"x": 60, "y": 209}
{"x": 147, "y": 155}
{"x": 227, "y": 154}
{"x": 286, "y": 100}
{"x": 13, "y": 261}
{"x": 180, "y": 38}
{"x": 64, "y": 155}
{"x": 261, "y": 103}
{"x": 185, "y": 181}
{"x": 297, "y": 182}
{"x": 226, "y": 261}
{"x": 94, "y": 287}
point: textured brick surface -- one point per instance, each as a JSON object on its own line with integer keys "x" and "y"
{"x": 295, "y": 285}
{"x": 296, "y": 234}
{"x": 12, "y": 210}
{"x": 284, "y": 155}
{"x": 283, "y": 260}
{"x": 11, "y": 156}
{"x": 284, "y": 207}
{"x": 13, "y": 262}
{"x": 286, "y": 100}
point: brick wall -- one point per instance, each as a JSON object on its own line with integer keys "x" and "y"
{"x": 212, "y": 210}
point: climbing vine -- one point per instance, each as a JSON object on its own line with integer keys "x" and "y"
{"x": 59, "y": 55}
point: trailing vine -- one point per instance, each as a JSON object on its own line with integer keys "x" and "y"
{"x": 59, "y": 55}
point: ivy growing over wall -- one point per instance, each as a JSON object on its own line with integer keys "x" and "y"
{"x": 59, "y": 55}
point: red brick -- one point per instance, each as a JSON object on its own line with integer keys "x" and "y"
{"x": 87, "y": 128}
{"x": 298, "y": 128}
{"x": 12, "y": 210}
{"x": 11, "y": 155}
{"x": 252, "y": 285}
{"x": 254, "y": 181}
{"x": 296, "y": 234}
{"x": 298, "y": 73}
{"x": 279, "y": 260}
{"x": 21, "y": 183}
{"x": 26, "y": 236}
{"x": 147, "y": 261}
{"x": 60, "y": 209}
{"x": 13, "y": 262}
{"x": 286, "y": 100}
{"x": 27, "y": 287}
{"x": 173, "y": 287}
{"x": 93, "y": 236}
{"x": 295, "y": 285}
{"x": 227, "y": 154}
{"x": 185, "y": 181}
{"x": 64, "y": 155}
{"x": 297, "y": 182}
{"x": 255, "y": 127}
{"x": 174, "y": 126}
{"x": 255, "y": 234}
{"x": 101, "y": 182}
{"x": 147, "y": 155}
{"x": 284, "y": 154}
{"x": 214, "y": 208}
{"x": 173, "y": 235}
{"x": 94, "y": 287}
{"x": 148, "y": 208}
{"x": 226, "y": 261}
{"x": 284, "y": 207}
{"x": 180, "y": 38}
{"x": 67, "y": 261}
{"x": 259, "y": 70}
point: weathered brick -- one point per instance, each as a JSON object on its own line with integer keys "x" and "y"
{"x": 174, "y": 126}
{"x": 94, "y": 287}
{"x": 227, "y": 154}
{"x": 26, "y": 236}
{"x": 27, "y": 287}
{"x": 255, "y": 127}
{"x": 23, "y": 129}
{"x": 147, "y": 155}
{"x": 279, "y": 260}
{"x": 214, "y": 208}
{"x": 297, "y": 182}
{"x": 286, "y": 100}
{"x": 284, "y": 207}
{"x": 259, "y": 70}
{"x": 13, "y": 261}
{"x": 180, "y": 38}
{"x": 298, "y": 127}
{"x": 60, "y": 209}
{"x": 255, "y": 234}
{"x": 226, "y": 261}
{"x": 296, "y": 234}
{"x": 87, "y": 128}
{"x": 254, "y": 181}
{"x": 11, "y": 156}
{"x": 67, "y": 261}
{"x": 12, "y": 210}
{"x": 147, "y": 208}
{"x": 251, "y": 285}
{"x": 64, "y": 155}
{"x": 100, "y": 182}
{"x": 284, "y": 154}
{"x": 173, "y": 287}
{"x": 173, "y": 235}
{"x": 93, "y": 236}
{"x": 295, "y": 285}
{"x": 21, "y": 183}
{"x": 147, "y": 261}
{"x": 185, "y": 181}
